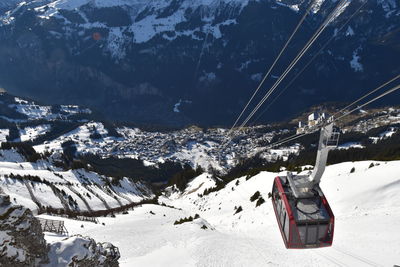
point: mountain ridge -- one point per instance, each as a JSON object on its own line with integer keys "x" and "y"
{"x": 138, "y": 62}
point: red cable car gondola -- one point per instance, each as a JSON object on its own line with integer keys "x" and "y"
{"x": 305, "y": 222}
{"x": 304, "y": 216}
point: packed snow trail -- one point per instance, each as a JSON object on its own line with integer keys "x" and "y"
{"x": 366, "y": 204}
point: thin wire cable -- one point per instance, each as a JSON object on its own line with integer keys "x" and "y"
{"x": 274, "y": 63}
{"x": 330, "y": 17}
{"x": 298, "y": 57}
{"x": 309, "y": 62}
{"x": 397, "y": 87}
{"x": 296, "y": 136}
{"x": 287, "y": 139}
{"x": 371, "y": 92}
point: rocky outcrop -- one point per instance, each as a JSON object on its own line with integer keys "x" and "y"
{"x": 22, "y": 242}
{"x": 84, "y": 252}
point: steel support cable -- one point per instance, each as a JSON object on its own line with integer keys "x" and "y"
{"x": 296, "y": 136}
{"x": 363, "y": 97}
{"x": 397, "y": 87}
{"x": 293, "y": 138}
{"x": 285, "y": 140}
{"x": 330, "y": 17}
{"x": 309, "y": 62}
{"x": 273, "y": 64}
{"x": 298, "y": 57}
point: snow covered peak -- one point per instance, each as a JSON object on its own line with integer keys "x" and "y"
{"x": 144, "y": 19}
{"x": 72, "y": 4}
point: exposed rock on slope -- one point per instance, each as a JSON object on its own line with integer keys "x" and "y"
{"x": 21, "y": 239}
{"x": 83, "y": 251}
{"x": 22, "y": 243}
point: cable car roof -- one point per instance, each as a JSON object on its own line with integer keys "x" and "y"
{"x": 309, "y": 209}
{"x": 312, "y": 209}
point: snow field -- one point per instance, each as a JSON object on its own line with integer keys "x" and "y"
{"x": 18, "y": 193}
{"x": 31, "y": 133}
{"x": 366, "y": 205}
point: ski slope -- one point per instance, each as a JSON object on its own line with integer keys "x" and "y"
{"x": 366, "y": 204}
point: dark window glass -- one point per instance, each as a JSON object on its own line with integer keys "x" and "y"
{"x": 294, "y": 234}
{"x": 322, "y": 232}
{"x": 282, "y": 215}
{"x": 286, "y": 226}
{"x": 302, "y": 233}
{"x": 312, "y": 234}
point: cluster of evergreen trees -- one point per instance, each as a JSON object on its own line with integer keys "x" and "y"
{"x": 32, "y": 178}
{"x": 97, "y": 213}
{"x": 188, "y": 219}
{"x": 182, "y": 178}
{"x": 257, "y": 197}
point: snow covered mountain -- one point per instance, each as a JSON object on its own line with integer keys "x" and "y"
{"x": 164, "y": 61}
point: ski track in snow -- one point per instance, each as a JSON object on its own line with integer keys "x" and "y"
{"x": 366, "y": 204}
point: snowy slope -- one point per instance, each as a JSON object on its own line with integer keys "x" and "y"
{"x": 31, "y": 133}
{"x": 366, "y": 205}
{"x": 75, "y": 186}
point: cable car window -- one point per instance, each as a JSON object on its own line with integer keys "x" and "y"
{"x": 322, "y": 231}
{"x": 283, "y": 213}
{"x": 294, "y": 235}
{"x": 312, "y": 234}
{"x": 286, "y": 226}
{"x": 302, "y": 232}
{"x": 279, "y": 207}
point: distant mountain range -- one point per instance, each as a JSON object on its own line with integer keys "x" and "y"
{"x": 180, "y": 62}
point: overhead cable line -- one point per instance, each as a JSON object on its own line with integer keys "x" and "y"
{"x": 326, "y": 22}
{"x": 309, "y": 62}
{"x": 371, "y": 92}
{"x": 369, "y": 102}
{"x": 334, "y": 13}
{"x": 296, "y": 136}
{"x": 274, "y": 63}
{"x": 287, "y": 139}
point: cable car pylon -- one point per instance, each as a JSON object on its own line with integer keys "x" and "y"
{"x": 304, "y": 216}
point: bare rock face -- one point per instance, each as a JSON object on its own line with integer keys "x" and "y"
{"x": 83, "y": 252}
{"x": 22, "y": 241}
